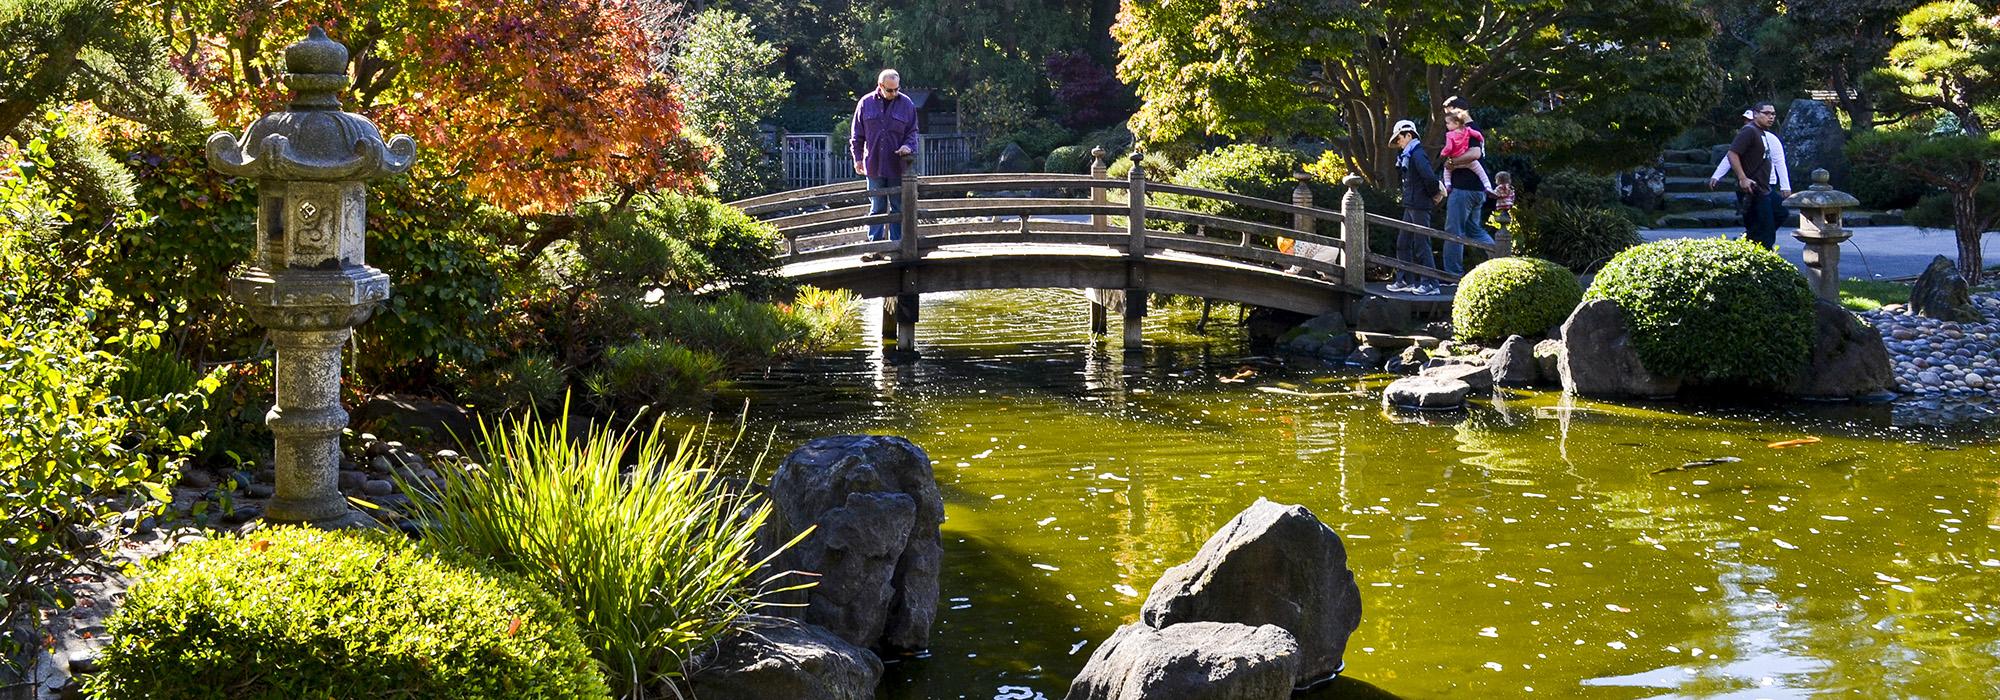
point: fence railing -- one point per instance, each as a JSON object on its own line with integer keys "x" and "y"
{"x": 829, "y": 221}
{"x": 812, "y": 160}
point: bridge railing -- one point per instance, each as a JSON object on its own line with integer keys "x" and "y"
{"x": 830, "y": 221}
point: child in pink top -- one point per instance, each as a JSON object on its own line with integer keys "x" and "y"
{"x": 1503, "y": 191}
{"x": 1457, "y": 140}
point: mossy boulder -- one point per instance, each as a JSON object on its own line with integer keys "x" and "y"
{"x": 1712, "y": 311}
{"x": 1513, "y": 296}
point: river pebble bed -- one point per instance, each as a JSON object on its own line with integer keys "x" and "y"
{"x": 1943, "y": 358}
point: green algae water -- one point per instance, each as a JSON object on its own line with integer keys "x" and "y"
{"x": 1533, "y": 546}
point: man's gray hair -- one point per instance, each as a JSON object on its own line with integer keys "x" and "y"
{"x": 888, "y": 73}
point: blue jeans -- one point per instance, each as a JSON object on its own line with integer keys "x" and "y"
{"x": 884, "y": 204}
{"x": 1413, "y": 247}
{"x": 1761, "y": 214}
{"x": 1462, "y": 211}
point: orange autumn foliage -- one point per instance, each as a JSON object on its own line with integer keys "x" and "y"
{"x": 536, "y": 104}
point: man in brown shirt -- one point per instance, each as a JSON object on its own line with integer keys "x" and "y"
{"x": 1752, "y": 164}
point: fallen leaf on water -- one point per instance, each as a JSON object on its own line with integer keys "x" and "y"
{"x": 1782, "y": 444}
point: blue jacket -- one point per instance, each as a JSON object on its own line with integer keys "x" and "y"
{"x": 1420, "y": 182}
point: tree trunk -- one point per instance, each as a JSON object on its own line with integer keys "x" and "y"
{"x": 1965, "y": 217}
{"x": 1860, "y": 108}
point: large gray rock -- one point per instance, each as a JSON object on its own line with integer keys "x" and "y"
{"x": 1941, "y": 293}
{"x": 1190, "y": 661}
{"x": 1849, "y": 359}
{"x": 1427, "y": 393}
{"x": 1409, "y": 361}
{"x": 1598, "y": 359}
{"x": 1272, "y": 564}
{"x": 876, "y": 550}
{"x": 1325, "y": 337}
{"x": 1013, "y": 160}
{"x": 1475, "y": 376}
{"x": 777, "y": 658}
{"x": 1814, "y": 139}
{"x": 1514, "y": 364}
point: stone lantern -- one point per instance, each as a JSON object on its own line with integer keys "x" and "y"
{"x": 308, "y": 281}
{"x": 1820, "y": 229}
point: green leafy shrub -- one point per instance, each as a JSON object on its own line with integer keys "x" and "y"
{"x": 1577, "y": 237}
{"x": 1576, "y": 188}
{"x": 680, "y": 243}
{"x": 1934, "y": 210}
{"x": 1247, "y": 169}
{"x": 1159, "y": 168}
{"x": 651, "y": 372}
{"x": 531, "y": 379}
{"x": 1712, "y": 310}
{"x": 1068, "y": 159}
{"x": 85, "y": 434}
{"x": 1882, "y": 189}
{"x": 296, "y": 613}
{"x": 1513, "y": 296}
{"x": 652, "y": 553}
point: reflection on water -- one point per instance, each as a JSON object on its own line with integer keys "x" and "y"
{"x": 1527, "y": 547}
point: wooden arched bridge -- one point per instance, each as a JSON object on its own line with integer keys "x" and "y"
{"x": 1113, "y": 238}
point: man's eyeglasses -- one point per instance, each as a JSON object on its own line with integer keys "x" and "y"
{"x": 1769, "y": 114}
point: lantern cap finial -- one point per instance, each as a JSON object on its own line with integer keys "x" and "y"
{"x": 312, "y": 139}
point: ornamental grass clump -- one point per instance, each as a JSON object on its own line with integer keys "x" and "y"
{"x": 299, "y": 613}
{"x": 635, "y": 534}
{"x": 1513, "y": 296}
{"x": 1711, "y": 310}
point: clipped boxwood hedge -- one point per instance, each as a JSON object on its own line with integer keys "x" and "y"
{"x": 1513, "y": 296}
{"x": 1712, "y": 310}
{"x": 1579, "y": 238}
{"x": 299, "y": 613}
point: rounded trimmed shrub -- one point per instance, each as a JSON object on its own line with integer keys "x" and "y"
{"x": 1712, "y": 310}
{"x": 1513, "y": 296}
{"x": 296, "y": 613}
{"x": 1067, "y": 159}
{"x": 1579, "y": 238}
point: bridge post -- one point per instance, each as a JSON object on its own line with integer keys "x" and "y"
{"x": 888, "y": 318}
{"x": 905, "y": 316}
{"x": 1098, "y": 195}
{"x": 1302, "y": 195}
{"x": 1353, "y": 236}
{"x": 911, "y": 180}
{"x": 1135, "y": 253}
{"x": 1503, "y": 237}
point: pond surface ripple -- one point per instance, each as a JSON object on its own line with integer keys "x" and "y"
{"x": 1535, "y": 546}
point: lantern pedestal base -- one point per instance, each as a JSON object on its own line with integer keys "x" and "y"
{"x": 1822, "y": 259}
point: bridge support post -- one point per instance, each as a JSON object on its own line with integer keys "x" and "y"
{"x": 1098, "y": 195}
{"x": 1135, "y": 319}
{"x": 1103, "y": 303}
{"x": 905, "y": 316}
{"x": 888, "y": 318}
{"x": 1353, "y": 236}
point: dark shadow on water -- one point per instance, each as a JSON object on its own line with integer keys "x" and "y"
{"x": 1346, "y": 688}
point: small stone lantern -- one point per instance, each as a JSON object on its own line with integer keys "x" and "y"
{"x": 308, "y": 280}
{"x": 1820, "y": 229}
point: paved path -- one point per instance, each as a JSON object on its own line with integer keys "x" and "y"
{"x": 1875, "y": 252}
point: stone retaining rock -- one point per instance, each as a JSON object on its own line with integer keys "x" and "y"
{"x": 1514, "y": 364}
{"x": 777, "y": 658}
{"x": 1409, "y": 361}
{"x": 1427, "y": 393}
{"x": 1272, "y": 564}
{"x": 1548, "y": 361}
{"x": 1598, "y": 359}
{"x": 877, "y": 549}
{"x": 1190, "y": 661}
{"x": 1849, "y": 359}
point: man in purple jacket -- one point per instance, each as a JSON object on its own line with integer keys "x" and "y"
{"x": 885, "y": 130}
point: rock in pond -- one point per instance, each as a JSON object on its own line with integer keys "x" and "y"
{"x": 778, "y": 658}
{"x": 1476, "y": 376}
{"x": 1427, "y": 393}
{"x": 1548, "y": 360}
{"x": 1849, "y": 359}
{"x": 1409, "y": 361}
{"x": 876, "y": 550}
{"x": 1941, "y": 293}
{"x": 1598, "y": 359}
{"x": 1514, "y": 364}
{"x": 1365, "y": 356}
{"x": 1272, "y": 564}
{"x": 1190, "y": 661}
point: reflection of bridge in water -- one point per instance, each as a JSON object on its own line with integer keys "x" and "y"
{"x": 959, "y": 236}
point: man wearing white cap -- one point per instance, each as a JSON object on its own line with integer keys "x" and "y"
{"x": 1420, "y": 191}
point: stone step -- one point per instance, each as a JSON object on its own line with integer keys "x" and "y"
{"x": 1677, "y": 185}
{"x": 1718, "y": 198}
{"x": 1708, "y": 218}
{"x": 1696, "y": 170}
{"x": 1693, "y": 156}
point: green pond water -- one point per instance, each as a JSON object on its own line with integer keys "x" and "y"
{"x": 1529, "y": 547}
